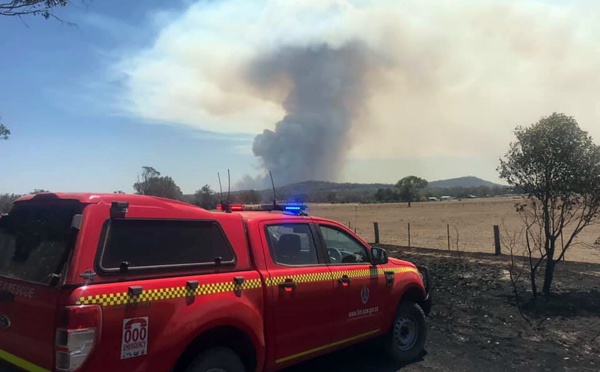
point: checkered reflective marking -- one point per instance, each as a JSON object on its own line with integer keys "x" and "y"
{"x": 124, "y": 298}
{"x": 322, "y": 276}
{"x": 366, "y": 273}
{"x": 302, "y": 278}
{"x": 398, "y": 270}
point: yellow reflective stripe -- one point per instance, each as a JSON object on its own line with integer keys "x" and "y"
{"x": 301, "y": 278}
{"x": 21, "y": 363}
{"x": 320, "y": 348}
{"x": 123, "y": 298}
{"x": 323, "y": 276}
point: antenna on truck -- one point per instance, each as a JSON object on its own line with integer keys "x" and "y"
{"x": 220, "y": 187}
{"x": 228, "y": 190}
{"x": 225, "y": 207}
{"x": 274, "y": 194}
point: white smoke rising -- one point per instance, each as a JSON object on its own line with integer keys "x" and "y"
{"x": 438, "y": 78}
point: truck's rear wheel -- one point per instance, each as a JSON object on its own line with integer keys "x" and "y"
{"x": 409, "y": 331}
{"x": 218, "y": 359}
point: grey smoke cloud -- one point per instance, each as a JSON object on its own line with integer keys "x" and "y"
{"x": 327, "y": 88}
{"x": 421, "y": 81}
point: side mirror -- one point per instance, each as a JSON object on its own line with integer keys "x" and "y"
{"x": 380, "y": 256}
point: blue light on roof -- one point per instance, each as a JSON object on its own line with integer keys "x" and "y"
{"x": 294, "y": 208}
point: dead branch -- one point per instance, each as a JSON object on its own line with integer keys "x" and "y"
{"x": 510, "y": 241}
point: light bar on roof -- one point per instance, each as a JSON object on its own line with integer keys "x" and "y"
{"x": 290, "y": 208}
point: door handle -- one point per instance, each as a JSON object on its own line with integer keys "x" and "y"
{"x": 345, "y": 280}
{"x": 288, "y": 285}
{"x": 389, "y": 278}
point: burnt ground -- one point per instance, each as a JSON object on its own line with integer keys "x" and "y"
{"x": 475, "y": 325}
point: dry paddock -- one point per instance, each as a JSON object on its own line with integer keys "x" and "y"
{"x": 469, "y": 223}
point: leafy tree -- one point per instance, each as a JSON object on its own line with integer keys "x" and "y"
{"x": 386, "y": 196}
{"x": 142, "y": 186}
{"x": 557, "y": 166}
{"x": 17, "y": 8}
{"x": 4, "y": 132}
{"x": 409, "y": 187}
{"x": 151, "y": 183}
{"x": 205, "y": 198}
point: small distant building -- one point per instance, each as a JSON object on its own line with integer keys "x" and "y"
{"x": 432, "y": 198}
{"x": 444, "y": 198}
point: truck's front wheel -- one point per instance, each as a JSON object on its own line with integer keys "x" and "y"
{"x": 218, "y": 359}
{"x": 407, "y": 336}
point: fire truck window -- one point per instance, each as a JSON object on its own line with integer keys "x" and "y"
{"x": 151, "y": 243}
{"x": 292, "y": 244}
{"x": 343, "y": 248}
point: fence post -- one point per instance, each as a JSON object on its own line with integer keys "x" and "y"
{"x": 409, "y": 235}
{"x": 497, "y": 240}
{"x": 376, "y": 229}
{"x": 448, "y": 233}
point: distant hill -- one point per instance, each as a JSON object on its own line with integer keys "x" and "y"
{"x": 468, "y": 181}
{"x": 325, "y": 191}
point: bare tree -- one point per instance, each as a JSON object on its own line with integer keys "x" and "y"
{"x": 510, "y": 241}
{"x": 557, "y": 166}
{"x": 30, "y": 7}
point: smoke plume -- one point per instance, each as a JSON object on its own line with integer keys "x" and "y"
{"x": 369, "y": 90}
{"x": 327, "y": 90}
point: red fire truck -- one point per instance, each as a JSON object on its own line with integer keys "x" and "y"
{"x": 114, "y": 282}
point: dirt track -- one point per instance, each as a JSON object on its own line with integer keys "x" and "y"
{"x": 474, "y": 325}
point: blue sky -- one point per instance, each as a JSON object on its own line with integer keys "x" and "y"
{"x": 85, "y": 104}
{"x": 57, "y": 100}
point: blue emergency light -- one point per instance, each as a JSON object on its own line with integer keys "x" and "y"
{"x": 294, "y": 208}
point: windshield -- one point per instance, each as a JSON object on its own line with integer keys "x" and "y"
{"x": 35, "y": 240}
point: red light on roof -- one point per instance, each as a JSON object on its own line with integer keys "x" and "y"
{"x": 232, "y": 207}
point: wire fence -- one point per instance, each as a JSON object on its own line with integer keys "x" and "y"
{"x": 466, "y": 225}
{"x": 427, "y": 235}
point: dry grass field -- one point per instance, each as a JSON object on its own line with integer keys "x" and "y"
{"x": 470, "y": 223}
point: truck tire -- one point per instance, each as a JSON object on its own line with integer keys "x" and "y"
{"x": 218, "y": 359}
{"x": 407, "y": 337}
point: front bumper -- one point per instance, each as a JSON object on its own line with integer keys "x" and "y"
{"x": 427, "y": 302}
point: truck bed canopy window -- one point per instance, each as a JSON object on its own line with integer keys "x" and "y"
{"x": 159, "y": 243}
{"x": 35, "y": 239}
